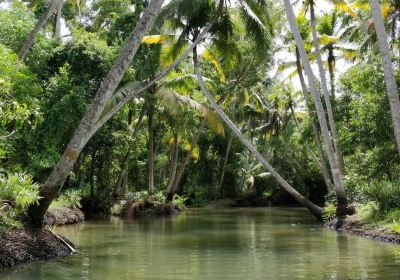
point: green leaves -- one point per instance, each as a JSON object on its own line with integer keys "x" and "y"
{"x": 176, "y": 103}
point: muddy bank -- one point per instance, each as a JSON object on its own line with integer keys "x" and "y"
{"x": 64, "y": 216}
{"x": 355, "y": 227}
{"x": 24, "y": 246}
{"x": 132, "y": 209}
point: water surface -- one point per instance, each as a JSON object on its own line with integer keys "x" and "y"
{"x": 271, "y": 243}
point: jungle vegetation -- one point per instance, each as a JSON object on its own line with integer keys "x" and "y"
{"x": 207, "y": 99}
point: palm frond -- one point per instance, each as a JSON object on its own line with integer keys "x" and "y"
{"x": 177, "y": 103}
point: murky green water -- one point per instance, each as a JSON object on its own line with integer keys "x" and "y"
{"x": 272, "y": 243}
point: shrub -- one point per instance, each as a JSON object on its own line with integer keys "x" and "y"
{"x": 385, "y": 193}
{"x": 180, "y": 201}
{"x": 70, "y": 198}
{"x": 329, "y": 211}
{"x": 368, "y": 212}
{"x": 18, "y": 190}
{"x": 395, "y": 227}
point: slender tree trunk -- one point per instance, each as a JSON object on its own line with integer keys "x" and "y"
{"x": 174, "y": 163}
{"x": 54, "y": 183}
{"x": 228, "y": 149}
{"x": 125, "y": 161}
{"x": 51, "y": 8}
{"x": 331, "y": 66}
{"x": 316, "y": 210}
{"x": 150, "y": 115}
{"x": 57, "y": 24}
{"x": 325, "y": 93}
{"x": 342, "y": 207}
{"x": 390, "y": 79}
{"x": 185, "y": 160}
{"x": 322, "y": 161}
{"x": 92, "y": 171}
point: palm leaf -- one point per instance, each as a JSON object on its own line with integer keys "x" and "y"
{"x": 177, "y": 103}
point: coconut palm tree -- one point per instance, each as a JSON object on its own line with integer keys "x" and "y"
{"x": 55, "y": 181}
{"x": 330, "y": 39}
{"x": 387, "y": 64}
{"x": 316, "y": 210}
{"x": 305, "y": 33}
{"x": 325, "y": 91}
{"x": 342, "y": 207}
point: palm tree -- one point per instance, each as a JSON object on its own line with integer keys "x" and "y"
{"x": 325, "y": 91}
{"x": 390, "y": 78}
{"x": 55, "y": 181}
{"x": 328, "y": 29}
{"x": 304, "y": 28}
{"x": 316, "y": 210}
{"x": 342, "y": 206}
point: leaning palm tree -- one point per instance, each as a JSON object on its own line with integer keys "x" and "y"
{"x": 316, "y": 210}
{"x": 390, "y": 78}
{"x": 304, "y": 28}
{"x": 325, "y": 91}
{"x": 51, "y": 9}
{"x": 82, "y": 134}
{"x": 342, "y": 206}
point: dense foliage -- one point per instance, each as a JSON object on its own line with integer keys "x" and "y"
{"x": 44, "y": 97}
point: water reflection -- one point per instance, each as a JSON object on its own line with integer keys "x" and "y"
{"x": 217, "y": 244}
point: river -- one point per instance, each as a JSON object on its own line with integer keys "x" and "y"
{"x": 268, "y": 243}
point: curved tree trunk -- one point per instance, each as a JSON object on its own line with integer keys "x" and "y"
{"x": 82, "y": 134}
{"x": 316, "y": 210}
{"x": 162, "y": 74}
{"x": 51, "y": 9}
{"x": 325, "y": 93}
{"x": 322, "y": 161}
{"x": 387, "y": 64}
{"x": 228, "y": 149}
{"x": 342, "y": 208}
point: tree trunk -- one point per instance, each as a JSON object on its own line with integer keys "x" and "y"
{"x": 57, "y": 24}
{"x": 325, "y": 92}
{"x": 162, "y": 74}
{"x": 322, "y": 161}
{"x": 125, "y": 161}
{"x": 55, "y": 181}
{"x": 342, "y": 206}
{"x": 185, "y": 160}
{"x": 150, "y": 115}
{"x": 390, "y": 79}
{"x": 316, "y": 210}
{"x": 331, "y": 66}
{"x": 51, "y": 8}
{"x": 92, "y": 171}
{"x": 228, "y": 149}
{"x": 174, "y": 163}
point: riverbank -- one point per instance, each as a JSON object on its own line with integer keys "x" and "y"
{"x": 354, "y": 226}
{"x": 64, "y": 216}
{"x": 28, "y": 245}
